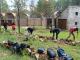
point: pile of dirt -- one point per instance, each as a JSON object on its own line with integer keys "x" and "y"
{"x": 45, "y": 38}
{"x": 61, "y": 41}
{"x": 69, "y": 42}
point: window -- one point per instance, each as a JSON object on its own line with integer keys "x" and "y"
{"x": 76, "y": 13}
{"x": 76, "y": 23}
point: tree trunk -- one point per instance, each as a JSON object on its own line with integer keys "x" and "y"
{"x": 18, "y": 18}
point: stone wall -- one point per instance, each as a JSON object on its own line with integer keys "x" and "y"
{"x": 72, "y": 17}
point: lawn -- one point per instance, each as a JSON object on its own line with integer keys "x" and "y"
{"x": 5, "y": 54}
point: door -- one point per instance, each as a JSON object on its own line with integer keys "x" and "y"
{"x": 62, "y": 23}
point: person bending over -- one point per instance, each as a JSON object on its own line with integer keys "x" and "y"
{"x": 30, "y": 30}
{"x": 71, "y": 32}
{"x": 55, "y": 32}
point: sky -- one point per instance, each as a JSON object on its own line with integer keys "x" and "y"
{"x": 28, "y": 2}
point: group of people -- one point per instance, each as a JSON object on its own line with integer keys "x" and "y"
{"x": 56, "y": 32}
{"x": 15, "y": 47}
{"x": 72, "y": 29}
{"x": 39, "y": 54}
{"x": 5, "y": 25}
{"x": 51, "y": 55}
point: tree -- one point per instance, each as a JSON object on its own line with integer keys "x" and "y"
{"x": 62, "y": 4}
{"x": 20, "y": 8}
{"x": 32, "y": 14}
{"x": 75, "y": 2}
{"x": 46, "y": 7}
{"x": 3, "y": 6}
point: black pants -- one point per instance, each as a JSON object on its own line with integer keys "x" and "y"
{"x": 55, "y": 34}
{"x": 5, "y": 27}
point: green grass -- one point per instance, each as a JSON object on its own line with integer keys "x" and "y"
{"x": 5, "y": 54}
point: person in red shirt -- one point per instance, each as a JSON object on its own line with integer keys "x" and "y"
{"x": 13, "y": 26}
{"x": 71, "y": 32}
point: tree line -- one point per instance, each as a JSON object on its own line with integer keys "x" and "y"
{"x": 43, "y": 7}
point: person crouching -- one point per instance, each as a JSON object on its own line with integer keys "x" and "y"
{"x": 30, "y": 30}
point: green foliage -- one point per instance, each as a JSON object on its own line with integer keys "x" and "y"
{"x": 63, "y": 4}
{"x": 21, "y": 4}
{"x": 4, "y": 6}
{"x": 75, "y": 2}
{"x": 46, "y": 7}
